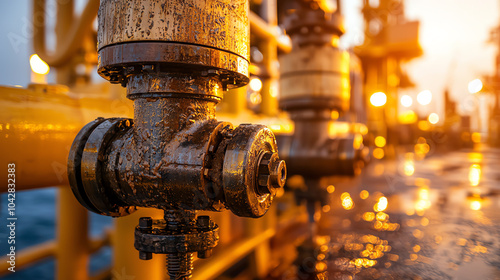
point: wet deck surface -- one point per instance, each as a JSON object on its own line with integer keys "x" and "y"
{"x": 441, "y": 221}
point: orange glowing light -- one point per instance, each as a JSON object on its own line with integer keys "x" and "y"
{"x": 255, "y": 98}
{"x": 38, "y": 66}
{"x": 255, "y": 84}
{"x": 326, "y": 208}
{"x": 408, "y": 117}
{"x": 381, "y": 205}
{"x": 378, "y": 99}
{"x": 408, "y": 167}
{"x": 380, "y": 141}
{"x": 416, "y": 248}
{"x": 378, "y": 153}
{"x": 476, "y": 204}
{"x": 358, "y": 142}
{"x": 330, "y": 189}
{"x": 476, "y": 137}
{"x": 364, "y": 194}
{"x": 381, "y": 216}
{"x": 433, "y": 118}
{"x": 475, "y": 175}
{"x": 423, "y": 125}
{"x": 347, "y": 202}
{"x": 368, "y": 216}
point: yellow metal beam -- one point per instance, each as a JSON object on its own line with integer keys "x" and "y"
{"x": 126, "y": 257}
{"x": 262, "y": 29}
{"x": 29, "y": 256}
{"x": 226, "y": 257}
{"x": 72, "y": 236}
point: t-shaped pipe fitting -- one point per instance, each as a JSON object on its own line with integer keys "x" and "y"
{"x": 174, "y": 154}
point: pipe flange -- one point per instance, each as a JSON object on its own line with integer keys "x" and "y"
{"x": 241, "y": 168}
{"x": 156, "y": 237}
{"x": 75, "y": 163}
{"x": 118, "y": 62}
{"x": 85, "y": 171}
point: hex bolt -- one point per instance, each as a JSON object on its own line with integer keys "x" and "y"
{"x": 145, "y": 255}
{"x": 203, "y": 222}
{"x": 145, "y": 223}
{"x": 148, "y": 68}
{"x": 271, "y": 173}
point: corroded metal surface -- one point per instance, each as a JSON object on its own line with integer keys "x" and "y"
{"x": 315, "y": 90}
{"x": 199, "y": 35}
{"x": 174, "y": 85}
{"x": 175, "y": 57}
{"x": 241, "y": 160}
{"x": 118, "y": 62}
{"x": 219, "y": 24}
{"x": 177, "y": 156}
{"x": 89, "y": 145}
{"x": 159, "y": 239}
{"x": 315, "y": 76}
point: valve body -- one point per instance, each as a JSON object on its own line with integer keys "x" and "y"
{"x": 175, "y": 58}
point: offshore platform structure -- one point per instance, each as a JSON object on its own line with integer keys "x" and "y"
{"x": 390, "y": 39}
{"x": 493, "y": 84}
{"x": 174, "y": 58}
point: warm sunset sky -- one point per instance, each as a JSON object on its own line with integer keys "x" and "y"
{"x": 453, "y": 34}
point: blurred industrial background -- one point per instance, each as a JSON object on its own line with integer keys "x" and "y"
{"x": 353, "y": 140}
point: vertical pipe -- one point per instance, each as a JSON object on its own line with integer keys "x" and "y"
{"x": 126, "y": 258}
{"x": 259, "y": 258}
{"x": 269, "y": 48}
{"x": 72, "y": 236}
{"x": 64, "y": 21}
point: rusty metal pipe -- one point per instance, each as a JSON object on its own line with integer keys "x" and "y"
{"x": 174, "y": 155}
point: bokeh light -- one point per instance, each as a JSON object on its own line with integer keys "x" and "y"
{"x": 424, "y": 97}
{"x": 255, "y": 84}
{"x": 406, "y": 101}
{"x": 433, "y": 118}
{"x": 475, "y": 86}
{"x": 38, "y": 65}
{"x": 380, "y": 141}
{"x": 378, "y": 99}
